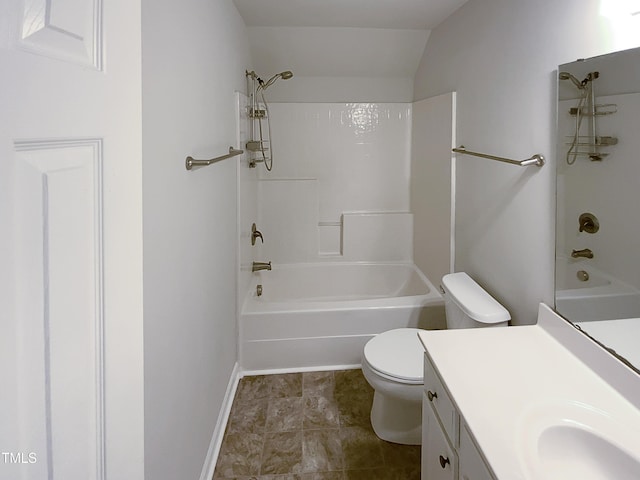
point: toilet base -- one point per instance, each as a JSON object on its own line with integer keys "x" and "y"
{"x": 396, "y": 420}
{"x": 396, "y": 414}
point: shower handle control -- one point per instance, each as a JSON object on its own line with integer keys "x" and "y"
{"x": 431, "y": 395}
{"x": 588, "y": 223}
{"x": 255, "y": 233}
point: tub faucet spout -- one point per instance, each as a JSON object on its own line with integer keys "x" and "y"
{"x": 257, "y": 266}
{"x": 584, "y": 253}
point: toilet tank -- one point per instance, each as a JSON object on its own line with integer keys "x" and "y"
{"x": 468, "y": 305}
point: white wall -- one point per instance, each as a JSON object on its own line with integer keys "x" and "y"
{"x": 337, "y": 51}
{"x": 341, "y": 89}
{"x": 432, "y": 137}
{"x": 331, "y": 160}
{"x": 501, "y": 57}
{"x": 333, "y": 64}
{"x": 194, "y": 53}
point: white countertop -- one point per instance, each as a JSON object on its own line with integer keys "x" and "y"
{"x": 500, "y": 378}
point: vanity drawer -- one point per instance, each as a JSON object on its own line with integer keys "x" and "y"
{"x": 439, "y": 458}
{"x": 441, "y": 402}
{"x": 472, "y": 466}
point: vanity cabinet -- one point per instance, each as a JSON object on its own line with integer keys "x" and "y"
{"x": 471, "y": 466}
{"x": 515, "y": 414}
{"x": 439, "y": 457}
{"x": 448, "y": 452}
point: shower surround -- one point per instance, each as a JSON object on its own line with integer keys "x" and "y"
{"x": 339, "y": 188}
{"x": 335, "y": 216}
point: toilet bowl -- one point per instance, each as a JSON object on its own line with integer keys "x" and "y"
{"x": 392, "y": 362}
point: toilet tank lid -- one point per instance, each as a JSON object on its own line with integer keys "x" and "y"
{"x": 473, "y": 300}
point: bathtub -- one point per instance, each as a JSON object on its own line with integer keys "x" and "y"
{"x": 602, "y": 297}
{"x": 321, "y": 315}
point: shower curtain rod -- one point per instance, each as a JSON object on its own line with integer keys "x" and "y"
{"x": 537, "y": 159}
{"x": 190, "y": 162}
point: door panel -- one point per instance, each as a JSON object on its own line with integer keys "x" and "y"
{"x": 71, "y": 346}
{"x": 66, "y": 29}
{"x": 59, "y": 249}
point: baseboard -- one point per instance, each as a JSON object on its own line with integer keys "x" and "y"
{"x": 221, "y": 425}
{"x": 324, "y": 368}
{"x": 236, "y": 374}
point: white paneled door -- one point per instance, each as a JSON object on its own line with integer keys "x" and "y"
{"x": 71, "y": 391}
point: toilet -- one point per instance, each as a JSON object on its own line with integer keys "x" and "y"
{"x": 392, "y": 362}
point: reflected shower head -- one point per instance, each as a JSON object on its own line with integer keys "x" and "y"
{"x": 286, "y": 75}
{"x": 574, "y": 80}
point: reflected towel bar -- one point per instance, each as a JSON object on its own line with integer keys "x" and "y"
{"x": 190, "y": 162}
{"x": 537, "y": 159}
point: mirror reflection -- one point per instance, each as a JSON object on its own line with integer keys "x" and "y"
{"x": 598, "y": 199}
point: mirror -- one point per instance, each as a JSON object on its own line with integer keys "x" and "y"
{"x": 597, "y": 285}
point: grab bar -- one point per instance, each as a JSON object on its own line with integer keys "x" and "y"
{"x": 191, "y": 162}
{"x": 537, "y": 159}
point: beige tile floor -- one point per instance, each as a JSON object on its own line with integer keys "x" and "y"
{"x": 309, "y": 426}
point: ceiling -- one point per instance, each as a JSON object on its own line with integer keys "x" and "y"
{"x": 397, "y": 14}
{"x": 341, "y": 38}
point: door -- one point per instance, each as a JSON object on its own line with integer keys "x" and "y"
{"x": 71, "y": 398}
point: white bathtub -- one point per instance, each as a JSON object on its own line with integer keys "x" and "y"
{"x": 602, "y": 297}
{"x": 321, "y": 315}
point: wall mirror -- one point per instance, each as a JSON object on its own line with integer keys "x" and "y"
{"x": 597, "y": 284}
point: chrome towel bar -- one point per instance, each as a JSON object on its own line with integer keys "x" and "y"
{"x": 190, "y": 162}
{"x": 537, "y": 159}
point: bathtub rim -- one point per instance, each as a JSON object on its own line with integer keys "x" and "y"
{"x": 277, "y": 348}
{"x": 613, "y": 287}
{"x": 432, "y": 297}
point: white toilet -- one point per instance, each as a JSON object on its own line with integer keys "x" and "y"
{"x": 392, "y": 362}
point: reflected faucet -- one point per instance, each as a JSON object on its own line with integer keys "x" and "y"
{"x": 588, "y": 223}
{"x": 257, "y": 266}
{"x": 255, "y": 233}
{"x": 584, "y": 253}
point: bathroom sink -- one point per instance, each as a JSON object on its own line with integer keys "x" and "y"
{"x": 566, "y": 451}
{"x": 573, "y": 440}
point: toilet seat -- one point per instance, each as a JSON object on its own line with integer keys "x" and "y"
{"x": 397, "y": 355}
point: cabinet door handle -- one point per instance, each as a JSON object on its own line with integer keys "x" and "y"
{"x": 444, "y": 461}
{"x": 431, "y": 395}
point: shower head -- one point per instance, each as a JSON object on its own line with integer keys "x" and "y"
{"x": 574, "y": 80}
{"x": 286, "y": 75}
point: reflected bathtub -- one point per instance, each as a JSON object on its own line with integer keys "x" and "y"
{"x": 321, "y": 315}
{"x": 602, "y": 297}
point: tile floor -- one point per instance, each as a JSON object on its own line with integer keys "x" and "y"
{"x": 309, "y": 426}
